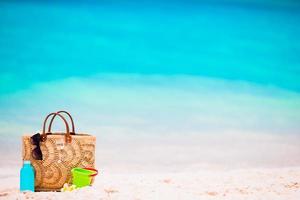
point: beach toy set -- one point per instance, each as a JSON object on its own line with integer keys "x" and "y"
{"x": 82, "y": 177}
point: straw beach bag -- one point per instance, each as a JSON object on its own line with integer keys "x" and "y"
{"x": 61, "y": 152}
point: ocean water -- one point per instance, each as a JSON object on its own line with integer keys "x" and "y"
{"x": 251, "y": 41}
{"x": 159, "y": 68}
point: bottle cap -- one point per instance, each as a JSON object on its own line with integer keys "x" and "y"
{"x": 26, "y": 161}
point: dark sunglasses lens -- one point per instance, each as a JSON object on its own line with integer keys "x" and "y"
{"x": 37, "y": 154}
{"x": 35, "y": 139}
{"x": 32, "y": 141}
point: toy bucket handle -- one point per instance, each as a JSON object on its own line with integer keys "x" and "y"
{"x": 92, "y": 169}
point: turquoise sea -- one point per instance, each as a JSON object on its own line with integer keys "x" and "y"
{"x": 151, "y": 67}
{"x": 253, "y": 41}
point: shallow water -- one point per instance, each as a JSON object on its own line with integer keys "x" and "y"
{"x": 236, "y": 40}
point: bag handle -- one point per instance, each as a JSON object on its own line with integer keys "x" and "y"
{"x": 68, "y": 137}
{"x": 62, "y": 111}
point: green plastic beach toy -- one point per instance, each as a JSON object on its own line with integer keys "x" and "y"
{"x": 83, "y": 176}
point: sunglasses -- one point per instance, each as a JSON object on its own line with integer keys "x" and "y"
{"x": 36, "y": 152}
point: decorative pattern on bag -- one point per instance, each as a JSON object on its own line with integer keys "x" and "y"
{"x": 60, "y": 156}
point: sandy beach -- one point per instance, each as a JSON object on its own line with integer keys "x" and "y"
{"x": 213, "y": 184}
{"x": 194, "y": 167}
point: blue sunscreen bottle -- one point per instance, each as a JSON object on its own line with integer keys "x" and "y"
{"x": 27, "y": 177}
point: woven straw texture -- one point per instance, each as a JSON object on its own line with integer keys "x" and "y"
{"x": 59, "y": 158}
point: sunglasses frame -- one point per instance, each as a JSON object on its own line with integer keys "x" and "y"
{"x": 36, "y": 152}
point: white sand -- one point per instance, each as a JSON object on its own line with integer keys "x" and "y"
{"x": 249, "y": 184}
{"x": 195, "y": 167}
